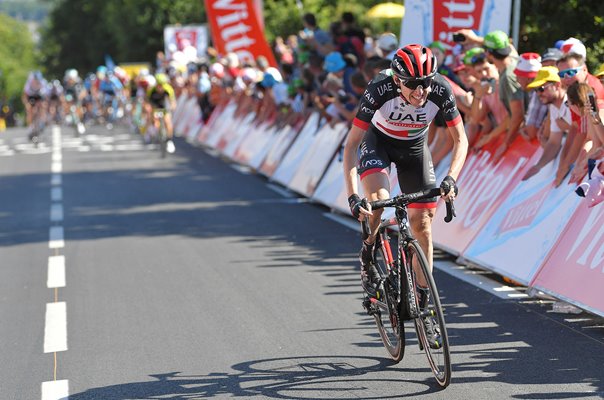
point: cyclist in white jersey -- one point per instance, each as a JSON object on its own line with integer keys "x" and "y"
{"x": 390, "y": 127}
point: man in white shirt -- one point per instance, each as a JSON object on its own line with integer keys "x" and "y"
{"x": 550, "y": 91}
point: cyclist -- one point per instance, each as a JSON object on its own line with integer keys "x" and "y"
{"x": 74, "y": 95}
{"x": 391, "y": 127}
{"x": 55, "y": 100}
{"x": 34, "y": 94}
{"x": 110, "y": 91}
{"x": 161, "y": 97}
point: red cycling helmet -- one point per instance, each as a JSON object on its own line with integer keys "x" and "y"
{"x": 413, "y": 61}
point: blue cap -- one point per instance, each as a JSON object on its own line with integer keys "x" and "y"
{"x": 268, "y": 81}
{"x": 559, "y": 44}
{"x": 334, "y": 62}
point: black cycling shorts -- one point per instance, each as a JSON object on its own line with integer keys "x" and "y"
{"x": 34, "y": 99}
{"x": 412, "y": 159}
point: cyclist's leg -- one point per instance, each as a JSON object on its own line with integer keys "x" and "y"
{"x": 169, "y": 126}
{"x": 416, "y": 173}
{"x": 373, "y": 169}
{"x": 420, "y": 220}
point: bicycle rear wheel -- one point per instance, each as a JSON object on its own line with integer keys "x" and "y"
{"x": 436, "y": 346}
{"x": 387, "y": 318}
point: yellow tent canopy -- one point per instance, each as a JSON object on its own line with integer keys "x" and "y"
{"x": 387, "y": 10}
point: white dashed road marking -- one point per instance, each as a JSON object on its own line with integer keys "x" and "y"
{"x": 55, "y": 328}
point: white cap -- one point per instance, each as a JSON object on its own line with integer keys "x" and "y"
{"x": 387, "y": 42}
{"x": 574, "y": 46}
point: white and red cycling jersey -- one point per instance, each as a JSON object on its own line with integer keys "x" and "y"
{"x": 383, "y": 107}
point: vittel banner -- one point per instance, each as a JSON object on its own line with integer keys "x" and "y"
{"x": 235, "y": 29}
{"x": 428, "y": 20}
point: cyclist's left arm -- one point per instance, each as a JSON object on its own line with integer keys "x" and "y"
{"x": 448, "y": 107}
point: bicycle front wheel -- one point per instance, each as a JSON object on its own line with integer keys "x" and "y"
{"x": 387, "y": 318}
{"x": 430, "y": 324}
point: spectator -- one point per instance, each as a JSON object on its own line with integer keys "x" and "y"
{"x": 550, "y": 57}
{"x": 347, "y": 44}
{"x": 487, "y": 103}
{"x": 600, "y": 74}
{"x": 312, "y": 35}
{"x": 336, "y": 65}
{"x": 347, "y": 103}
{"x": 550, "y": 91}
{"x": 526, "y": 71}
{"x": 440, "y": 52}
{"x": 386, "y": 45}
{"x": 579, "y": 103}
{"x": 373, "y": 66}
{"x": 572, "y": 69}
{"x": 350, "y": 28}
{"x": 499, "y": 52}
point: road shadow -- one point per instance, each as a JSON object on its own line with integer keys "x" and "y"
{"x": 312, "y": 377}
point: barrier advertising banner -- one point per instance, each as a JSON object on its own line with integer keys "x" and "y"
{"x": 483, "y": 186}
{"x": 281, "y": 144}
{"x": 291, "y": 162}
{"x": 317, "y": 158}
{"x": 185, "y": 39}
{"x": 518, "y": 237}
{"x": 429, "y": 20}
{"x": 235, "y": 29}
{"x": 574, "y": 271}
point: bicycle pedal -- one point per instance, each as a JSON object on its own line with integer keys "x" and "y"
{"x": 367, "y": 305}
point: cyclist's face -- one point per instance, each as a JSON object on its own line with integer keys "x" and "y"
{"x": 416, "y": 97}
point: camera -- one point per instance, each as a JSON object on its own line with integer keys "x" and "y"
{"x": 592, "y": 102}
{"x": 459, "y": 37}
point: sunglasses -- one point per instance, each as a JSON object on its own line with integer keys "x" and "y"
{"x": 478, "y": 58}
{"x": 570, "y": 72}
{"x": 415, "y": 83}
{"x": 541, "y": 89}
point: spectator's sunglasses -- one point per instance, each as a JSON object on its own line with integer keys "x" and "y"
{"x": 478, "y": 58}
{"x": 570, "y": 72}
{"x": 415, "y": 83}
{"x": 541, "y": 89}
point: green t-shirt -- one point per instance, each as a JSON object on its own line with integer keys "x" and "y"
{"x": 509, "y": 88}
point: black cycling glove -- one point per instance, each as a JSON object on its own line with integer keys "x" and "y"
{"x": 355, "y": 203}
{"x": 447, "y": 184}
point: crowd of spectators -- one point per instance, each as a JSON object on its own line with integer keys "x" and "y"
{"x": 546, "y": 96}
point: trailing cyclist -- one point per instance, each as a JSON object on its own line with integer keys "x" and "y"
{"x": 75, "y": 93}
{"x": 160, "y": 97}
{"x": 391, "y": 127}
{"x": 33, "y": 97}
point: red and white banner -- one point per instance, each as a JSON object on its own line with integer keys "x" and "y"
{"x": 517, "y": 239}
{"x": 483, "y": 186}
{"x": 235, "y": 29}
{"x": 184, "y": 39}
{"x": 429, "y": 20}
{"x": 574, "y": 270}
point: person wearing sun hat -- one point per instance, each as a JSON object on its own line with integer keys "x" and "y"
{"x": 526, "y": 70}
{"x": 549, "y": 89}
{"x": 600, "y": 73}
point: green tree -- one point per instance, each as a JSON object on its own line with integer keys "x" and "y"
{"x": 16, "y": 58}
{"x": 79, "y": 34}
{"x": 545, "y": 22}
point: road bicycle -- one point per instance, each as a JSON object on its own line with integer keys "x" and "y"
{"x": 407, "y": 290}
{"x": 162, "y": 134}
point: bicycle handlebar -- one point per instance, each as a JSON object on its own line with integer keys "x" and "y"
{"x": 405, "y": 199}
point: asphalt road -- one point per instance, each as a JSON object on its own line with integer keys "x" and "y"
{"x": 188, "y": 279}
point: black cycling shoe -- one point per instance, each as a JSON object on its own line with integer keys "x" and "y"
{"x": 432, "y": 333}
{"x": 370, "y": 277}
